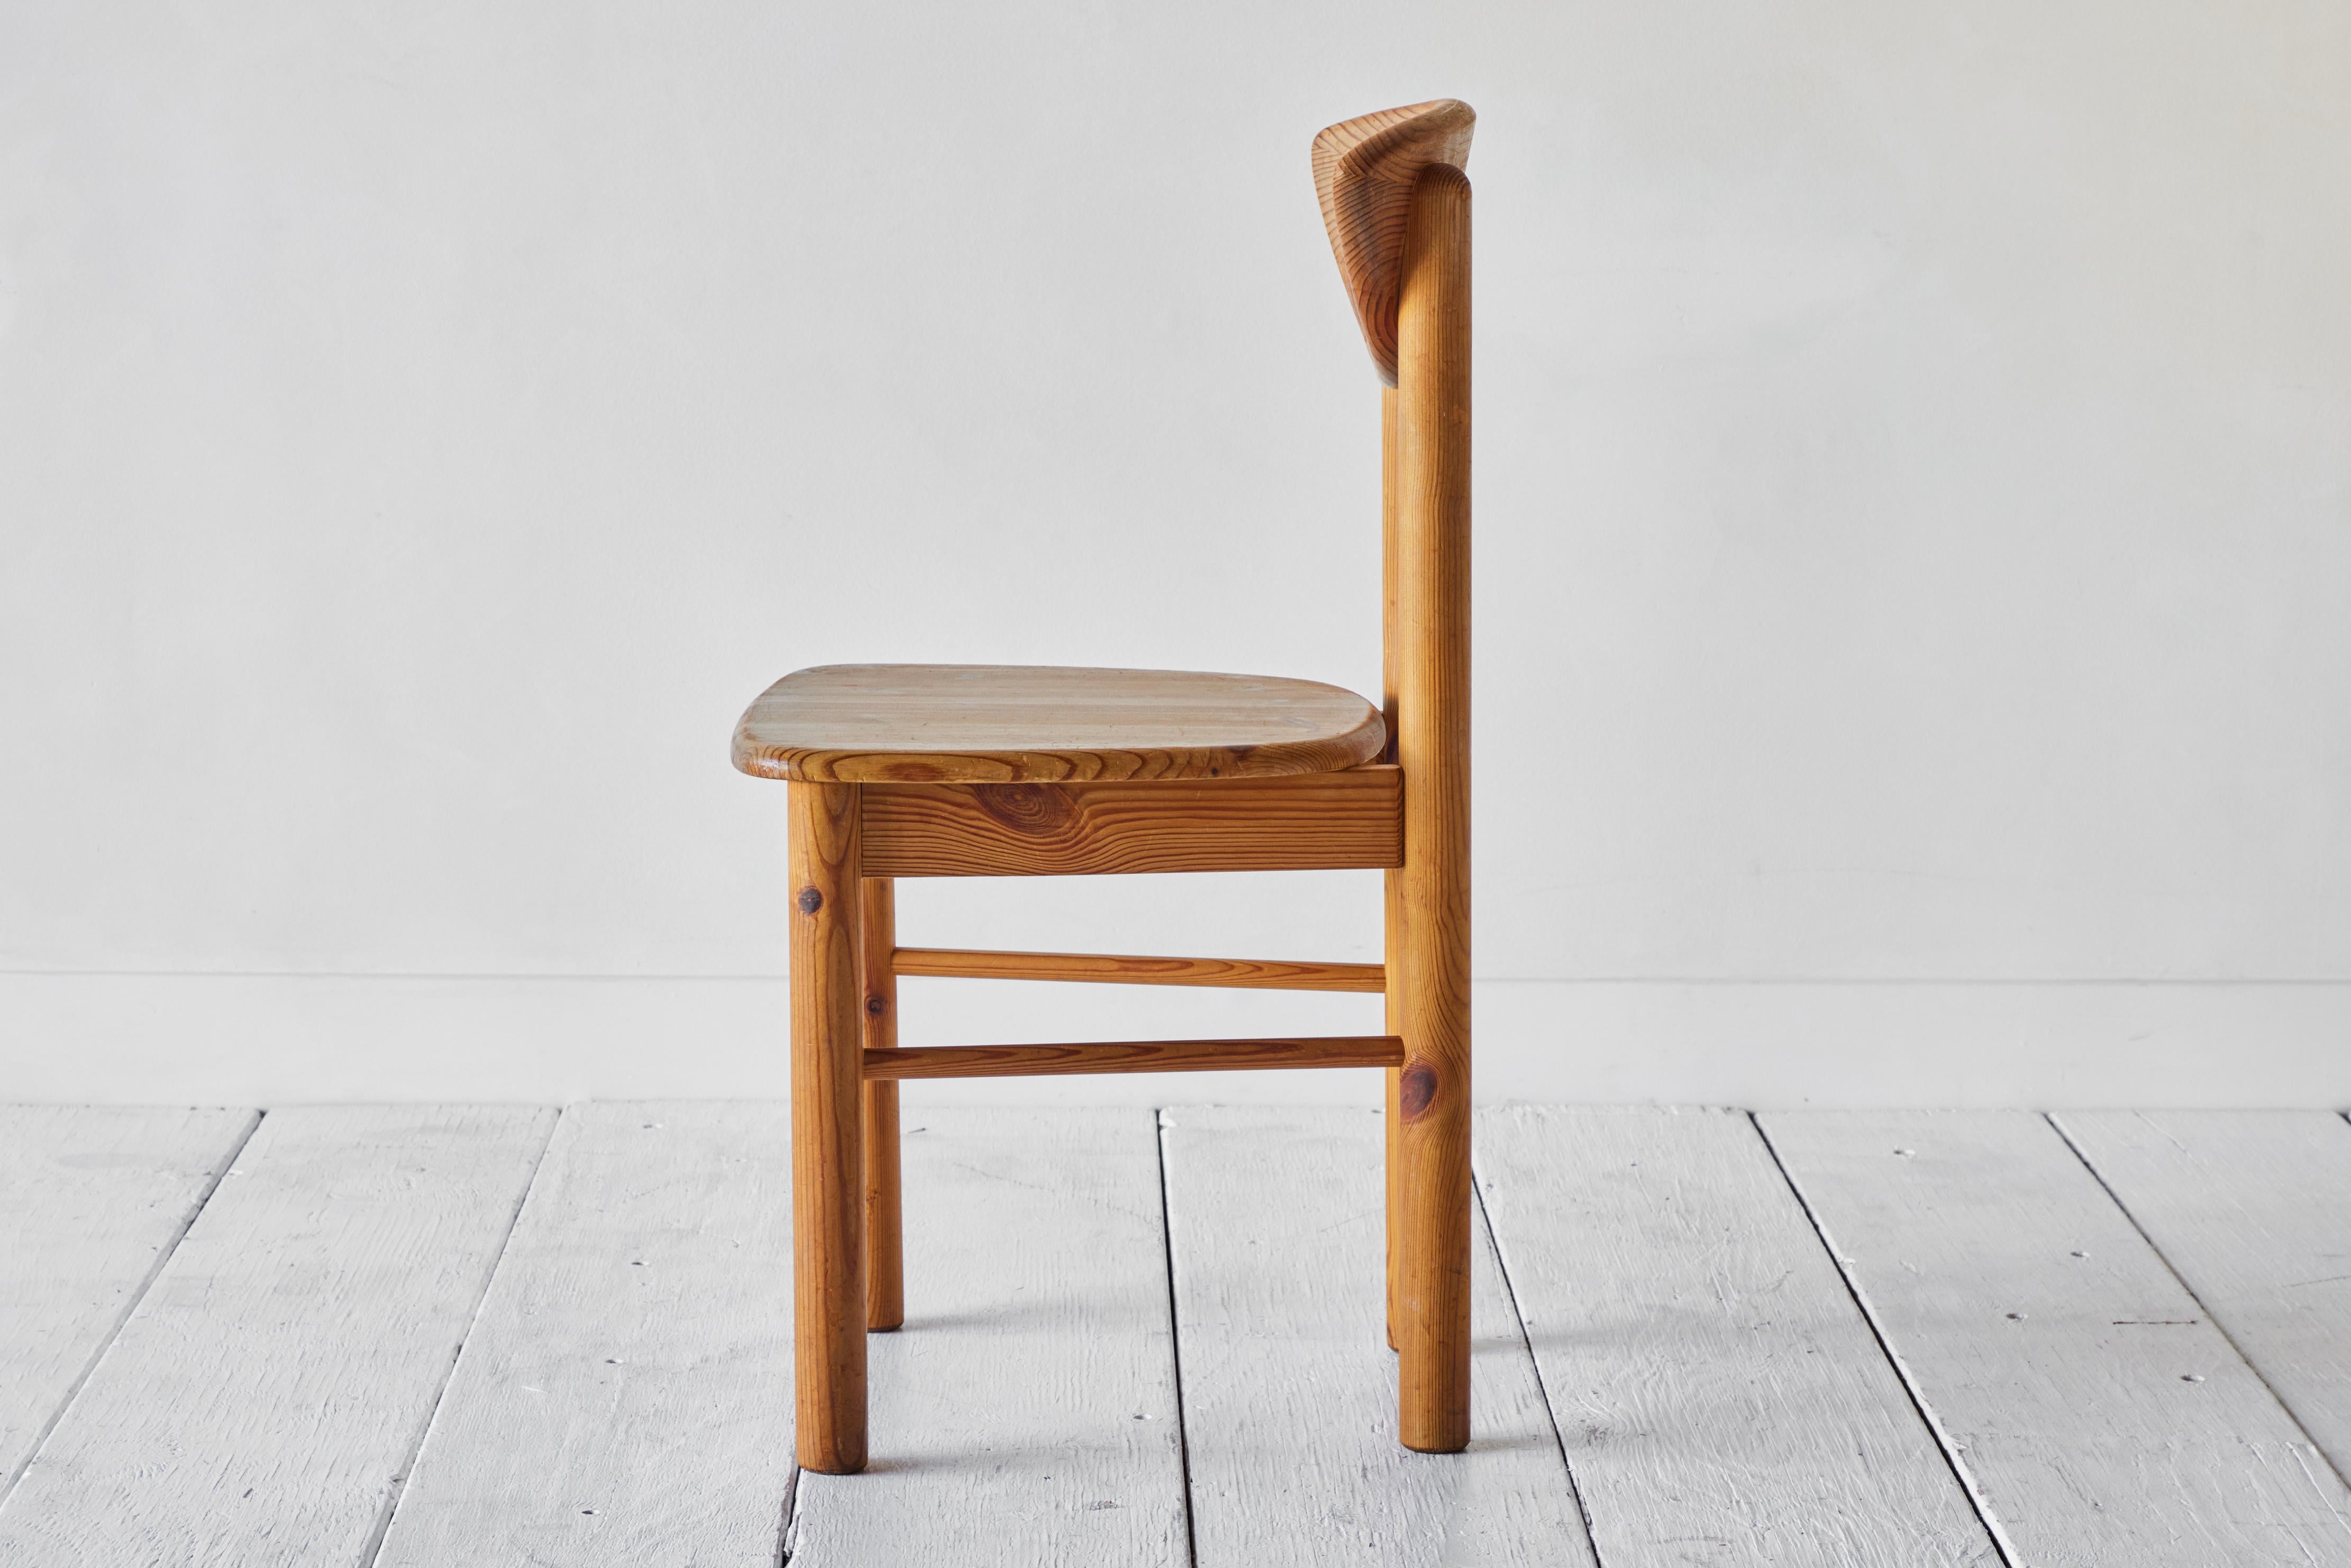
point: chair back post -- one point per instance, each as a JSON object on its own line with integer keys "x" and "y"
{"x": 1432, "y": 747}
{"x": 1396, "y": 204}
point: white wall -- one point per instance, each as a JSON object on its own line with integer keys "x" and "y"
{"x": 1914, "y": 567}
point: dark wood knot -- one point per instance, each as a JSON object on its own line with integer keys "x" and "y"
{"x": 1034, "y": 811}
{"x": 877, "y": 1004}
{"x": 1416, "y": 1088}
{"x": 810, "y": 901}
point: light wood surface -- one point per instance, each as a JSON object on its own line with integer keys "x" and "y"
{"x": 1364, "y": 171}
{"x": 827, "y": 1027}
{"x": 93, "y": 1198}
{"x": 2252, "y": 1210}
{"x": 1134, "y": 1056}
{"x": 1014, "y": 724}
{"x": 1288, "y": 1392}
{"x": 2091, "y": 1405}
{"x": 262, "y": 1404}
{"x": 1129, "y": 969}
{"x": 885, "y": 1264}
{"x": 621, "y": 1397}
{"x": 1027, "y": 1414}
{"x": 1433, "y": 1277}
{"x": 1321, "y": 822}
{"x": 1711, "y": 1378}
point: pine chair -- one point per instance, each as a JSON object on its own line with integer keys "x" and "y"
{"x": 972, "y": 771}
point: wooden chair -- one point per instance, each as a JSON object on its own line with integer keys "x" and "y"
{"x": 954, "y": 770}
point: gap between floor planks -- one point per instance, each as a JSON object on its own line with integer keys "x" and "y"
{"x": 96, "y": 1201}
{"x": 260, "y": 1402}
{"x": 2096, "y": 1409}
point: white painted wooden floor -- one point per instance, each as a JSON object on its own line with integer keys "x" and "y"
{"x": 423, "y": 1337}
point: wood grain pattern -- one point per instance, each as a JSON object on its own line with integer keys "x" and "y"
{"x": 92, "y": 1200}
{"x": 1135, "y": 1056}
{"x": 2252, "y": 1210}
{"x": 1288, "y": 1396}
{"x": 1026, "y": 1417}
{"x": 1433, "y": 1308}
{"x": 620, "y": 1396}
{"x": 1720, "y": 1397}
{"x": 1322, "y": 822}
{"x": 827, "y": 1028}
{"x": 1129, "y": 969}
{"x": 264, "y": 1401}
{"x": 2086, "y": 1398}
{"x": 885, "y": 1263}
{"x": 1364, "y": 171}
{"x": 1006, "y": 724}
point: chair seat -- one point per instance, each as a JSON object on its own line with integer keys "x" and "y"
{"x": 1002, "y": 723}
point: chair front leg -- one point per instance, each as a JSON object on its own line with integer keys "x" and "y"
{"x": 827, "y": 1155}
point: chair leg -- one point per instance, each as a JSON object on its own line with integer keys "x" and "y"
{"x": 1433, "y": 746}
{"x": 1393, "y": 1118}
{"x": 1431, "y": 1181}
{"x": 828, "y": 1161}
{"x": 885, "y": 1276}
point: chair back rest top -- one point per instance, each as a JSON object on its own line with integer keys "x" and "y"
{"x": 1364, "y": 173}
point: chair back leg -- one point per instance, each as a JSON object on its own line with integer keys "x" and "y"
{"x": 1433, "y": 1102}
{"x": 885, "y": 1269}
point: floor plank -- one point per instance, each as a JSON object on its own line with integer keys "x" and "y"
{"x": 626, "y": 1393}
{"x": 92, "y": 1199}
{"x": 1289, "y": 1395}
{"x": 1720, "y": 1397}
{"x": 260, "y": 1405}
{"x": 2253, "y": 1209}
{"x": 1025, "y": 1414}
{"x": 2097, "y": 1415}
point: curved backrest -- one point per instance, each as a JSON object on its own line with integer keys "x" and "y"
{"x": 1364, "y": 171}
